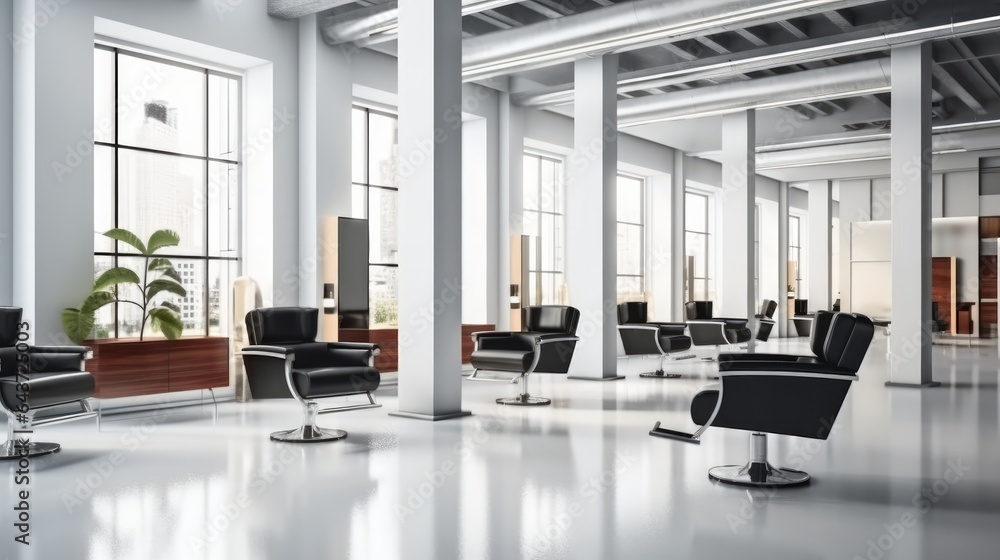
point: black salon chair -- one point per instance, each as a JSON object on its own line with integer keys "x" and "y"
{"x": 546, "y": 345}
{"x": 643, "y": 338}
{"x": 38, "y": 379}
{"x": 285, "y": 361}
{"x": 817, "y": 340}
{"x": 765, "y": 319}
{"x": 790, "y": 397}
{"x": 707, "y": 330}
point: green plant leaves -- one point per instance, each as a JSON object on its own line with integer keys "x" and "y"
{"x": 126, "y": 236}
{"x": 77, "y": 324}
{"x": 166, "y": 321}
{"x": 163, "y": 285}
{"x": 160, "y": 239}
{"x": 115, "y": 276}
{"x": 164, "y": 267}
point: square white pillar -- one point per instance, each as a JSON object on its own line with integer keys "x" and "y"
{"x": 820, "y": 243}
{"x": 677, "y": 248}
{"x": 591, "y": 218}
{"x": 911, "y": 216}
{"x": 783, "y": 280}
{"x": 430, "y": 209}
{"x": 738, "y": 201}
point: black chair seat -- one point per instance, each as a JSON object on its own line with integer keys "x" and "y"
{"x": 49, "y": 389}
{"x": 675, "y": 343}
{"x": 503, "y": 360}
{"x": 314, "y": 383}
{"x": 736, "y": 336}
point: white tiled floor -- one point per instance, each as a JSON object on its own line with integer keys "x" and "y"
{"x": 580, "y": 479}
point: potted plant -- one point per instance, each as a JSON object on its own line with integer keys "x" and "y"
{"x": 158, "y": 276}
{"x": 129, "y": 367}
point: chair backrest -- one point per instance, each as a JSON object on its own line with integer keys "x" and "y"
{"x": 282, "y": 325}
{"x": 768, "y": 308}
{"x": 820, "y": 328}
{"x": 698, "y": 310}
{"x": 848, "y": 340}
{"x": 550, "y": 319}
{"x": 801, "y": 306}
{"x": 935, "y": 311}
{"x": 10, "y": 326}
{"x": 632, "y": 312}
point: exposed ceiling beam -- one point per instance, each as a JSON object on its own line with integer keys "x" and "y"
{"x": 815, "y": 108}
{"x": 294, "y": 9}
{"x": 604, "y": 3}
{"x": 751, "y": 37}
{"x": 541, "y": 9}
{"x": 949, "y": 82}
{"x": 837, "y": 105}
{"x": 799, "y": 31}
{"x": 672, "y": 48}
{"x": 977, "y": 65}
{"x": 499, "y": 20}
{"x": 558, "y": 7}
{"x": 713, "y": 44}
{"x": 843, "y": 19}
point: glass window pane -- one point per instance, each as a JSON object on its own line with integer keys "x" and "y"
{"x": 104, "y": 197}
{"x": 530, "y": 183}
{"x": 359, "y": 208}
{"x": 629, "y": 249}
{"x": 793, "y": 231}
{"x": 221, "y": 275}
{"x": 549, "y": 296}
{"x": 162, "y": 192}
{"x": 629, "y": 289}
{"x": 558, "y": 239}
{"x": 382, "y": 214}
{"x": 223, "y": 210}
{"x": 359, "y": 145}
{"x": 223, "y": 117}
{"x": 383, "y": 290}
{"x": 160, "y": 106}
{"x": 192, "y": 306}
{"x": 104, "y": 319}
{"x": 104, "y": 95}
{"x": 695, "y": 212}
{"x": 630, "y": 200}
{"x": 382, "y": 150}
{"x": 548, "y": 245}
{"x": 696, "y": 246}
{"x": 550, "y": 182}
{"x": 530, "y": 224}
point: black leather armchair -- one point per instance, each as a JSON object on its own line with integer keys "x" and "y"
{"x": 791, "y": 397}
{"x": 765, "y": 319}
{"x": 643, "y": 338}
{"x": 545, "y": 346}
{"x": 707, "y": 330}
{"x": 36, "y": 379}
{"x": 285, "y": 361}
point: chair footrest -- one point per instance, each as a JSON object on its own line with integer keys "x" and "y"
{"x": 347, "y": 407}
{"x": 673, "y": 434}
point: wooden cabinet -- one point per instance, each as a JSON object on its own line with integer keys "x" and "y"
{"x": 388, "y": 341}
{"x": 129, "y": 368}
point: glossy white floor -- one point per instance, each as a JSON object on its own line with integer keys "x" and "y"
{"x": 908, "y": 474}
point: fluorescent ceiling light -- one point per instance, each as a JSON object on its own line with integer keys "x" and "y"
{"x": 851, "y": 160}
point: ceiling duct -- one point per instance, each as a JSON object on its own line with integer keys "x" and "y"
{"x": 857, "y": 78}
{"x": 616, "y": 28}
{"x": 294, "y": 9}
{"x": 817, "y": 50}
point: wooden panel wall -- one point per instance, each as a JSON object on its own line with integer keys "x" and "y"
{"x": 943, "y": 288}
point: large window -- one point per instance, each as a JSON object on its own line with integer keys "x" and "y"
{"x": 166, "y": 156}
{"x": 631, "y": 238}
{"x": 795, "y": 255}
{"x": 543, "y": 220}
{"x": 698, "y": 225}
{"x": 375, "y": 145}
{"x": 756, "y": 252}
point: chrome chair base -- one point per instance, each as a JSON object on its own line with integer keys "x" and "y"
{"x": 758, "y": 475}
{"x": 10, "y": 451}
{"x": 525, "y": 400}
{"x": 308, "y": 434}
{"x": 660, "y": 375}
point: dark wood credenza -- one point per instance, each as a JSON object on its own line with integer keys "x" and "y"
{"x": 388, "y": 341}
{"x": 129, "y": 368}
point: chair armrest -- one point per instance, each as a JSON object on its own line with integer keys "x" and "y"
{"x": 499, "y": 340}
{"x": 492, "y": 334}
{"x": 790, "y": 369}
{"x": 83, "y": 350}
{"x": 733, "y": 322}
{"x": 549, "y": 338}
{"x": 670, "y": 329}
{"x": 734, "y": 357}
{"x": 368, "y": 346}
{"x": 279, "y": 352}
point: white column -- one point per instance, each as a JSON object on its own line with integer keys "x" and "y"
{"x": 783, "y": 259}
{"x": 820, "y": 243}
{"x": 430, "y": 209}
{"x": 591, "y": 207}
{"x": 6, "y": 151}
{"x": 911, "y": 216}
{"x": 677, "y": 238}
{"x": 511, "y": 199}
{"x": 736, "y": 297}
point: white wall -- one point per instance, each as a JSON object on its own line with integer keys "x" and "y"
{"x": 6, "y": 152}
{"x": 474, "y": 214}
{"x": 64, "y": 56}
